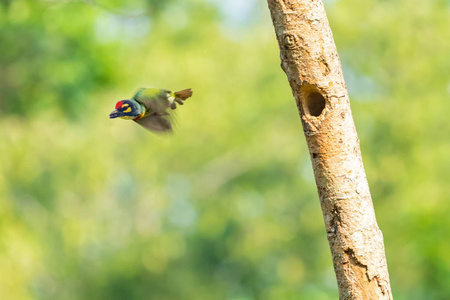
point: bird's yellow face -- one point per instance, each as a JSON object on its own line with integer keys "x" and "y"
{"x": 126, "y": 109}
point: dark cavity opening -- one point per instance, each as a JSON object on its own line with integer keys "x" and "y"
{"x": 315, "y": 104}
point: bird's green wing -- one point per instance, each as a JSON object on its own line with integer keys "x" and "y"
{"x": 154, "y": 100}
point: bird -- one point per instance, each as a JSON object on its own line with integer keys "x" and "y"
{"x": 151, "y": 108}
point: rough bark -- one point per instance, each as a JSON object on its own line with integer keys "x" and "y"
{"x": 311, "y": 63}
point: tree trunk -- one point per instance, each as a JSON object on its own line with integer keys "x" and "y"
{"x": 311, "y": 63}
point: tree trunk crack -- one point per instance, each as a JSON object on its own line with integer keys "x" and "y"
{"x": 353, "y": 259}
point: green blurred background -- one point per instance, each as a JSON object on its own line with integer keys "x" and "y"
{"x": 92, "y": 208}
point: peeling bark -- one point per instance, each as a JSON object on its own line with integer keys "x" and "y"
{"x": 311, "y": 63}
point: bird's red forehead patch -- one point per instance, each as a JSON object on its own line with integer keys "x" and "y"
{"x": 118, "y": 104}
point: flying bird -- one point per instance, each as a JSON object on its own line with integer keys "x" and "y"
{"x": 151, "y": 108}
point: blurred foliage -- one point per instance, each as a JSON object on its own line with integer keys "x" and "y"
{"x": 227, "y": 208}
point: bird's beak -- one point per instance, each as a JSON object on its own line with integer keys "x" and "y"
{"x": 115, "y": 114}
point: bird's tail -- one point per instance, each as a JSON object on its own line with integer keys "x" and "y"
{"x": 180, "y": 96}
{"x": 183, "y": 94}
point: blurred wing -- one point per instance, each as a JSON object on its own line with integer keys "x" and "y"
{"x": 154, "y": 100}
{"x": 158, "y": 123}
